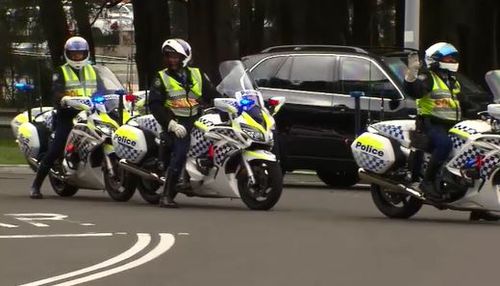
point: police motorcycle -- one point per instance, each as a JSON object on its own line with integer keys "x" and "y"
{"x": 229, "y": 156}
{"x": 393, "y": 155}
{"x": 89, "y": 160}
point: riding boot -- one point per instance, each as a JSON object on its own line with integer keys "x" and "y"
{"x": 41, "y": 173}
{"x": 483, "y": 215}
{"x": 169, "y": 190}
{"x": 428, "y": 185}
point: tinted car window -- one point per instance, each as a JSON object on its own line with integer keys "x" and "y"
{"x": 312, "y": 73}
{"x": 362, "y": 75}
{"x": 282, "y": 77}
{"x": 265, "y": 70}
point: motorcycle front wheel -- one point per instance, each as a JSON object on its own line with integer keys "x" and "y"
{"x": 121, "y": 185}
{"x": 61, "y": 187}
{"x": 266, "y": 192}
{"x": 395, "y": 205}
{"x": 149, "y": 190}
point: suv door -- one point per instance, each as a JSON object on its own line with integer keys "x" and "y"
{"x": 383, "y": 97}
{"x": 307, "y": 127}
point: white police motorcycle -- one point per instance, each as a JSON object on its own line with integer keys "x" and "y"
{"x": 469, "y": 180}
{"x": 89, "y": 160}
{"x": 230, "y": 154}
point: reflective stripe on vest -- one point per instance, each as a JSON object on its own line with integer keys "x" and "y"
{"x": 182, "y": 104}
{"x": 75, "y": 87}
{"x": 440, "y": 102}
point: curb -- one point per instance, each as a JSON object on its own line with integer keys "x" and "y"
{"x": 25, "y": 169}
{"x": 15, "y": 169}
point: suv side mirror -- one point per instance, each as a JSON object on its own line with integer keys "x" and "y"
{"x": 228, "y": 105}
{"x": 394, "y": 103}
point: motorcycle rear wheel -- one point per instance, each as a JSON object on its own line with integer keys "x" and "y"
{"x": 395, "y": 205}
{"x": 269, "y": 186}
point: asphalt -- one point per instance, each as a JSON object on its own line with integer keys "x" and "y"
{"x": 314, "y": 236}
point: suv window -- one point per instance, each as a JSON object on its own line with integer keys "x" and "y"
{"x": 282, "y": 77}
{"x": 312, "y": 73}
{"x": 362, "y": 75}
{"x": 265, "y": 70}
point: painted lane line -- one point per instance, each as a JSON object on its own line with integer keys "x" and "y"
{"x": 167, "y": 240}
{"x": 143, "y": 240}
{"x": 8, "y": 225}
{"x": 87, "y": 224}
{"x": 93, "y": 234}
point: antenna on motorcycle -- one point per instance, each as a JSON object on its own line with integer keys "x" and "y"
{"x": 26, "y": 88}
{"x": 146, "y": 103}
{"x": 39, "y": 81}
{"x": 357, "y": 111}
{"x": 120, "y": 107}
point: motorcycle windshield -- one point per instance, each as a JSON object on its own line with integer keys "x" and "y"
{"x": 234, "y": 78}
{"x": 493, "y": 81}
{"x": 108, "y": 89}
{"x": 107, "y": 82}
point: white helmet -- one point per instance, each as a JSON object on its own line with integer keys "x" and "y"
{"x": 78, "y": 45}
{"x": 178, "y": 46}
{"x": 442, "y": 55}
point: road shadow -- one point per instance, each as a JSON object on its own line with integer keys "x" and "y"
{"x": 324, "y": 187}
{"x": 426, "y": 220}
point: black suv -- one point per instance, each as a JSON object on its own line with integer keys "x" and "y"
{"x": 316, "y": 125}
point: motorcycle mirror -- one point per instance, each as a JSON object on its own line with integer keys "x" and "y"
{"x": 275, "y": 103}
{"x": 394, "y": 103}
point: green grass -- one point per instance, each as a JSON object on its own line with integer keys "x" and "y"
{"x": 10, "y": 153}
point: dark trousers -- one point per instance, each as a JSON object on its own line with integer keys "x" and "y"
{"x": 180, "y": 148}
{"x": 63, "y": 126}
{"x": 441, "y": 144}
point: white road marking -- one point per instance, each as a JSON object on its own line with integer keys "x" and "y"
{"x": 167, "y": 240}
{"x": 8, "y": 225}
{"x": 57, "y": 235}
{"x": 143, "y": 240}
{"x": 183, "y": 233}
{"x": 87, "y": 224}
{"x": 31, "y": 217}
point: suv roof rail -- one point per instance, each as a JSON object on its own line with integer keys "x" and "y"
{"x": 338, "y": 48}
{"x": 388, "y": 49}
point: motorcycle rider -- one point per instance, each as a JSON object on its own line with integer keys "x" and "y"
{"x": 436, "y": 88}
{"x": 176, "y": 96}
{"x": 75, "y": 78}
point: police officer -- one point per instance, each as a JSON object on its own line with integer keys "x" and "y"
{"x": 75, "y": 78}
{"x": 436, "y": 89}
{"x": 176, "y": 96}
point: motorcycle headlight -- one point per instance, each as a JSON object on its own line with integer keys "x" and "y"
{"x": 253, "y": 133}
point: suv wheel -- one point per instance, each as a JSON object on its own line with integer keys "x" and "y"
{"x": 338, "y": 178}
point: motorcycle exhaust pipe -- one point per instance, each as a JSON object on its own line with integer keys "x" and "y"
{"x": 140, "y": 172}
{"x": 389, "y": 186}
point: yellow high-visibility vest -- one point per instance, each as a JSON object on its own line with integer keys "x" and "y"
{"x": 440, "y": 102}
{"x": 85, "y": 86}
{"x": 182, "y": 103}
